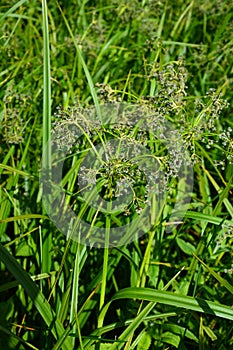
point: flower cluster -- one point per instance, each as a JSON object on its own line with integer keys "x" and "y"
{"x": 226, "y": 234}
{"x": 171, "y": 82}
{"x": 134, "y": 155}
{"x": 69, "y": 124}
{"x": 13, "y": 123}
{"x": 197, "y": 118}
{"x": 164, "y": 130}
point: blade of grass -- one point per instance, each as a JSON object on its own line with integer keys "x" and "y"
{"x": 224, "y": 193}
{"x": 205, "y": 217}
{"x": 80, "y": 254}
{"x": 15, "y": 170}
{"x": 13, "y": 284}
{"x": 105, "y": 266}
{"x": 35, "y": 294}
{"x": 23, "y": 217}
{"x": 172, "y": 299}
{"x": 68, "y": 329}
{"x": 89, "y": 305}
{"x": 99, "y": 331}
{"x": 87, "y": 73}
{"x": 12, "y": 181}
{"x": 221, "y": 280}
{"x": 12, "y": 9}
{"x": 178, "y": 24}
{"x": 46, "y": 159}
{"x": 10, "y": 334}
{"x": 129, "y": 331}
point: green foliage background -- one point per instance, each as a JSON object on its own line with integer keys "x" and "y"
{"x": 133, "y": 52}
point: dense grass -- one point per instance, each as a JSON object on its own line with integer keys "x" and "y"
{"x": 165, "y": 288}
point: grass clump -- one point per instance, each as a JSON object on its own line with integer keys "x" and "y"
{"x": 141, "y": 165}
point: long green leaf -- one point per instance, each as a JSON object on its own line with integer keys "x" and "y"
{"x": 87, "y": 73}
{"x": 46, "y": 159}
{"x": 24, "y": 217}
{"x": 12, "y": 335}
{"x": 12, "y": 9}
{"x": 99, "y": 331}
{"x": 173, "y": 299}
{"x": 15, "y": 170}
{"x": 221, "y": 280}
{"x": 204, "y": 217}
{"x": 35, "y": 294}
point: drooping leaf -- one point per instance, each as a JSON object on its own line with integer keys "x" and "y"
{"x": 186, "y": 247}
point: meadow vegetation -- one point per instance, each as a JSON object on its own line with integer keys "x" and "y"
{"x": 166, "y": 67}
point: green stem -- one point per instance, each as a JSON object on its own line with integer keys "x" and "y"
{"x": 46, "y": 160}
